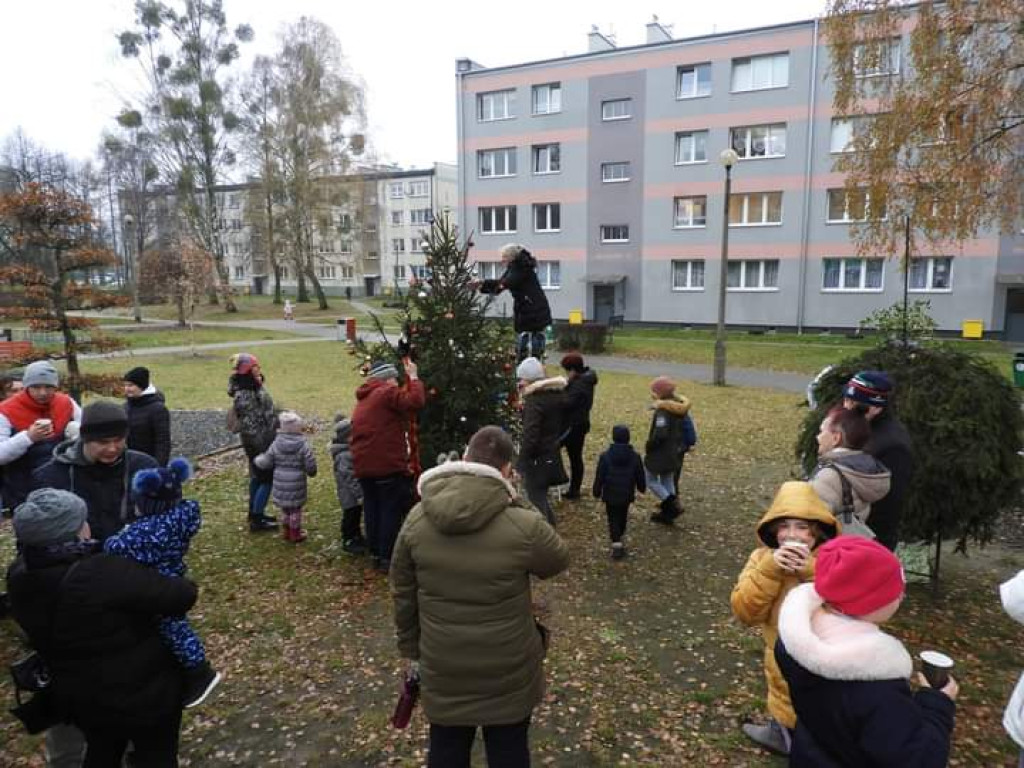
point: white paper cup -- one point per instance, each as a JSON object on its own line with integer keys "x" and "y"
{"x": 47, "y": 423}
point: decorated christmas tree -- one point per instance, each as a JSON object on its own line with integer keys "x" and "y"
{"x": 466, "y": 359}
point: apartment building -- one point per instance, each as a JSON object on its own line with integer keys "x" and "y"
{"x": 367, "y": 241}
{"x": 606, "y": 166}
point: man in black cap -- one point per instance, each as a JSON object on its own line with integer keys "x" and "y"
{"x": 98, "y": 467}
{"x": 149, "y": 422}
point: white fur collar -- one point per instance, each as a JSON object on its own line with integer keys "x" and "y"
{"x": 838, "y": 647}
{"x": 464, "y": 468}
{"x": 557, "y": 382}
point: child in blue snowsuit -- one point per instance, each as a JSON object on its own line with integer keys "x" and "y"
{"x": 159, "y": 537}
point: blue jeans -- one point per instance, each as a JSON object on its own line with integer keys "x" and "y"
{"x": 260, "y": 483}
{"x": 530, "y": 344}
{"x": 661, "y": 485}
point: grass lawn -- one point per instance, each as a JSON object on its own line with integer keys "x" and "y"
{"x": 775, "y": 352}
{"x": 647, "y": 666}
{"x": 260, "y": 308}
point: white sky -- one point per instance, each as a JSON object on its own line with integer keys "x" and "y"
{"x": 64, "y": 80}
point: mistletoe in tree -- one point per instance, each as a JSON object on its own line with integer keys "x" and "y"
{"x": 466, "y": 359}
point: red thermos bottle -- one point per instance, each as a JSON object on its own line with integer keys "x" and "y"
{"x": 406, "y": 701}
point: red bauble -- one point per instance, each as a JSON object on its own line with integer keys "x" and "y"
{"x": 449, "y": 315}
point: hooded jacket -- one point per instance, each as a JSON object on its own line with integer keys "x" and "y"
{"x": 530, "y": 310}
{"x": 869, "y": 480}
{"x": 105, "y": 488}
{"x": 672, "y": 434}
{"x": 380, "y": 425}
{"x": 544, "y": 406}
{"x": 254, "y": 408}
{"x": 849, "y": 682}
{"x": 350, "y": 493}
{"x": 763, "y": 585}
{"x": 292, "y": 460}
{"x": 460, "y": 579}
{"x": 1012, "y": 594}
{"x": 149, "y": 425}
{"x": 580, "y": 394}
{"x": 620, "y": 472}
{"x": 890, "y": 444}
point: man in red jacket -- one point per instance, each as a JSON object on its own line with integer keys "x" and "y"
{"x": 380, "y": 453}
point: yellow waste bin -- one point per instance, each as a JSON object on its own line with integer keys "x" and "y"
{"x": 575, "y": 317}
{"x": 973, "y": 329}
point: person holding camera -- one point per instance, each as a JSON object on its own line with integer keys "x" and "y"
{"x": 531, "y": 313}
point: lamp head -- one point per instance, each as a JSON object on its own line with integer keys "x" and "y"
{"x": 728, "y": 158}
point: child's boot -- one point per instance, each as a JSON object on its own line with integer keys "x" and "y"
{"x": 295, "y": 526}
{"x": 286, "y": 526}
{"x": 199, "y": 681}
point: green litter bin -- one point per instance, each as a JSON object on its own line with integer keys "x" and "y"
{"x": 1018, "y": 369}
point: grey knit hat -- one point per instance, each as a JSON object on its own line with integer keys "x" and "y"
{"x": 40, "y": 372}
{"x": 383, "y": 370}
{"x": 49, "y": 516}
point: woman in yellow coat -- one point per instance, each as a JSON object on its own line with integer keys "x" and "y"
{"x": 790, "y": 532}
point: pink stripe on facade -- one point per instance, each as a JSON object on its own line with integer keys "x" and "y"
{"x": 531, "y": 196}
{"x": 739, "y": 185}
{"x": 555, "y": 254}
{"x": 712, "y": 251}
{"x": 563, "y": 136}
{"x": 788, "y": 114}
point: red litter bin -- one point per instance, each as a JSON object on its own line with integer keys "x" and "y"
{"x": 347, "y": 329}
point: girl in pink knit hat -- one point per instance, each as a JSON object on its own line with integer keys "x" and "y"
{"x": 671, "y": 436}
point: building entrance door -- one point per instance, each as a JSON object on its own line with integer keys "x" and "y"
{"x": 604, "y": 303}
{"x": 1014, "y": 315}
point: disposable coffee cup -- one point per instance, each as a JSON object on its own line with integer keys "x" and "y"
{"x": 936, "y": 668}
{"x": 797, "y": 545}
{"x": 45, "y": 423}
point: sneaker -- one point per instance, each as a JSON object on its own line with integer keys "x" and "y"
{"x": 771, "y": 736}
{"x": 354, "y": 546}
{"x": 659, "y": 517}
{"x": 618, "y": 550}
{"x": 263, "y": 523}
{"x": 199, "y": 682}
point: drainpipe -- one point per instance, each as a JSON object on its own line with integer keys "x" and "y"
{"x": 805, "y": 235}
{"x": 459, "y": 158}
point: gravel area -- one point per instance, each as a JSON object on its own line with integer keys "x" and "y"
{"x": 194, "y": 433}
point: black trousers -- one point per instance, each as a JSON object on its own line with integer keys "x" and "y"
{"x": 154, "y": 746}
{"x": 573, "y": 443}
{"x": 351, "y": 523}
{"x": 386, "y": 502}
{"x": 617, "y": 516}
{"x": 507, "y": 746}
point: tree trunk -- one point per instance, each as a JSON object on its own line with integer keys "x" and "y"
{"x": 321, "y": 298}
{"x": 74, "y": 379}
{"x": 277, "y": 283}
{"x": 300, "y": 277}
{"x": 179, "y": 300}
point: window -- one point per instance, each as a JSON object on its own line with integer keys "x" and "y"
{"x": 691, "y": 147}
{"x": 236, "y": 224}
{"x": 688, "y": 275}
{"x": 372, "y": 256}
{"x": 396, "y": 190}
{"x": 845, "y": 130}
{"x": 497, "y": 218}
{"x": 415, "y": 244}
{"x": 617, "y": 109}
{"x": 759, "y": 72}
{"x": 693, "y": 81}
{"x": 547, "y": 98}
{"x": 877, "y": 58}
{"x": 419, "y": 188}
{"x": 234, "y": 201}
{"x": 396, "y": 218}
{"x": 614, "y": 233}
{"x": 948, "y": 128}
{"x": 489, "y": 270}
{"x": 399, "y": 270}
{"x": 345, "y": 246}
{"x": 759, "y": 140}
{"x": 550, "y": 274}
{"x": 547, "y": 158}
{"x": 398, "y": 244}
{"x": 852, "y": 274}
{"x": 325, "y": 246}
{"x": 753, "y": 275}
{"x": 496, "y": 162}
{"x": 931, "y": 274}
{"x": 420, "y": 216}
{"x": 690, "y": 212}
{"x": 547, "y": 217}
{"x": 284, "y": 272}
{"x": 755, "y": 209}
{"x": 344, "y": 222}
{"x": 419, "y": 271}
{"x": 370, "y": 225}
{"x": 327, "y": 272}
{"x": 845, "y": 206}
{"x": 239, "y": 272}
{"x": 612, "y": 172}
{"x": 348, "y": 272}
{"x": 495, "y": 105}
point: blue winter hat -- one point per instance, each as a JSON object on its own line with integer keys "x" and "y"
{"x": 159, "y": 489}
{"x": 620, "y": 434}
{"x": 869, "y": 388}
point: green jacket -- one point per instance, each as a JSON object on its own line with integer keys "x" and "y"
{"x": 460, "y": 579}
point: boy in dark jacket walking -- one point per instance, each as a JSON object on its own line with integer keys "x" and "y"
{"x": 149, "y": 421}
{"x": 672, "y": 435}
{"x": 350, "y": 493}
{"x": 580, "y": 394}
{"x": 620, "y": 473}
{"x": 531, "y": 314}
{"x": 291, "y": 460}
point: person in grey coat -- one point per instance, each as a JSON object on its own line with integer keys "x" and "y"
{"x": 350, "y": 492}
{"x": 291, "y": 460}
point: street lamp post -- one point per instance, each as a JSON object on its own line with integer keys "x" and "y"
{"x": 728, "y": 159}
{"x": 129, "y": 224}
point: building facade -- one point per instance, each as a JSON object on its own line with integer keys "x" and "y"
{"x": 606, "y": 166}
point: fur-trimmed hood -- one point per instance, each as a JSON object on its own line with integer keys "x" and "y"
{"x": 677, "y": 405}
{"x": 463, "y": 496}
{"x": 556, "y": 383}
{"x": 838, "y": 647}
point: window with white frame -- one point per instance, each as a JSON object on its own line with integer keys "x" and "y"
{"x": 415, "y": 244}
{"x": 751, "y": 141}
{"x": 852, "y": 274}
{"x": 326, "y": 272}
{"x": 345, "y": 222}
{"x": 497, "y": 218}
{"x": 688, "y": 275}
{"x": 399, "y": 271}
{"x": 549, "y": 273}
{"x": 495, "y": 105}
{"x": 419, "y": 188}
{"x": 617, "y": 109}
{"x": 489, "y": 270}
{"x": 239, "y": 272}
{"x": 614, "y": 233}
{"x": 419, "y": 271}
{"x": 547, "y": 158}
{"x": 845, "y": 206}
{"x": 690, "y": 212}
{"x": 691, "y": 147}
{"x": 932, "y": 273}
{"x": 348, "y": 272}
{"x": 345, "y": 246}
{"x": 493, "y": 163}
{"x": 372, "y": 255}
{"x": 325, "y": 246}
{"x": 757, "y": 73}
{"x": 845, "y": 130}
{"x": 547, "y": 98}
{"x": 614, "y": 172}
{"x": 420, "y": 216}
{"x": 753, "y": 275}
{"x": 693, "y": 80}
{"x": 547, "y": 217}
{"x": 234, "y": 201}
{"x": 755, "y": 209}
{"x": 398, "y": 244}
{"x": 284, "y": 272}
{"x": 877, "y": 58}
{"x": 396, "y": 190}
{"x": 396, "y": 218}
